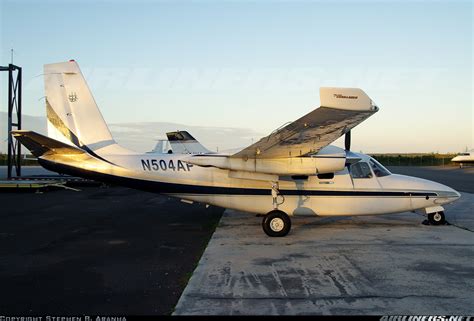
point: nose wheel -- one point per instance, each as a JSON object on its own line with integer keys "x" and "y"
{"x": 437, "y": 218}
{"x": 276, "y": 223}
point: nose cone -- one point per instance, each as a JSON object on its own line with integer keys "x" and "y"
{"x": 444, "y": 194}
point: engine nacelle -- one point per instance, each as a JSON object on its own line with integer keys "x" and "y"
{"x": 329, "y": 160}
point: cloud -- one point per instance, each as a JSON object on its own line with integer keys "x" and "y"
{"x": 143, "y": 136}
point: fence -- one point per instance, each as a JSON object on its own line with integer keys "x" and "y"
{"x": 28, "y": 161}
{"x": 415, "y": 160}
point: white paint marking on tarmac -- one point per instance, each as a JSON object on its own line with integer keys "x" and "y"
{"x": 389, "y": 264}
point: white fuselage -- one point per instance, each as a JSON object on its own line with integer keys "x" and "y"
{"x": 343, "y": 194}
{"x": 464, "y": 158}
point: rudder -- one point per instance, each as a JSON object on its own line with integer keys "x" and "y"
{"x": 72, "y": 113}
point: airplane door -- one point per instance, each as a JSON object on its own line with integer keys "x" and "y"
{"x": 362, "y": 176}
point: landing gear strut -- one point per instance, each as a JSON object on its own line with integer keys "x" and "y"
{"x": 276, "y": 223}
{"x": 275, "y": 193}
{"x": 436, "y": 218}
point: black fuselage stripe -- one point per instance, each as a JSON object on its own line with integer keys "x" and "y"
{"x": 57, "y": 122}
{"x": 91, "y": 152}
{"x": 173, "y": 188}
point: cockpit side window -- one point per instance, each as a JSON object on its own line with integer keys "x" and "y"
{"x": 378, "y": 168}
{"x": 361, "y": 170}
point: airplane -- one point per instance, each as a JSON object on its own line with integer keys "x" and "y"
{"x": 464, "y": 158}
{"x": 183, "y": 142}
{"x": 162, "y": 146}
{"x": 293, "y": 171}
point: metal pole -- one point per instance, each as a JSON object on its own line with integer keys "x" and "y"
{"x": 18, "y": 122}
{"x": 10, "y": 109}
{"x": 14, "y": 105}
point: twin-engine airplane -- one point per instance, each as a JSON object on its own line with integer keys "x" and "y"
{"x": 292, "y": 171}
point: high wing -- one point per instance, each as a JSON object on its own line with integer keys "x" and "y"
{"x": 341, "y": 110}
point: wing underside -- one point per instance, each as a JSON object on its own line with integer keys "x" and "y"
{"x": 307, "y": 135}
{"x": 317, "y": 129}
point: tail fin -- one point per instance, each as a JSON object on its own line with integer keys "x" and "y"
{"x": 183, "y": 143}
{"x": 72, "y": 113}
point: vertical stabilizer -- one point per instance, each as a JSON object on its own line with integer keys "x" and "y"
{"x": 183, "y": 143}
{"x": 72, "y": 113}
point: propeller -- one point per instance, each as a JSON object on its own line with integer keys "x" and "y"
{"x": 347, "y": 141}
{"x": 351, "y": 158}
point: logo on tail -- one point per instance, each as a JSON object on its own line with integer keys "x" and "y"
{"x": 72, "y": 97}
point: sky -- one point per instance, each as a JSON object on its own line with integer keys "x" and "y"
{"x": 257, "y": 64}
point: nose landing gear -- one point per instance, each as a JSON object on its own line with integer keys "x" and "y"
{"x": 437, "y": 218}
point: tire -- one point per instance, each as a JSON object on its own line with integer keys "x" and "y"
{"x": 276, "y": 224}
{"x": 437, "y": 218}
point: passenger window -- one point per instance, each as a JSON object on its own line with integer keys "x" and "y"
{"x": 361, "y": 170}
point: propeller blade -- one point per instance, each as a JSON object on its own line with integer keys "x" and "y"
{"x": 347, "y": 141}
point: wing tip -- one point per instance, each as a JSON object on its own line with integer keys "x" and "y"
{"x": 346, "y": 98}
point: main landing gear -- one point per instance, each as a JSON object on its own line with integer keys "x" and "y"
{"x": 276, "y": 223}
{"x": 437, "y": 218}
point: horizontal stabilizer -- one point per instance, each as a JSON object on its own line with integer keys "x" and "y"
{"x": 40, "y": 145}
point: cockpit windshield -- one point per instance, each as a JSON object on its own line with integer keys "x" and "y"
{"x": 379, "y": 169}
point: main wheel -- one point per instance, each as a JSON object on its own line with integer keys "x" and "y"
{"x": 436, "y": 218}
{"x": 276, "y": 223}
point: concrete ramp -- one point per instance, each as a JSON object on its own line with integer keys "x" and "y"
{"x": 389, "y": 264}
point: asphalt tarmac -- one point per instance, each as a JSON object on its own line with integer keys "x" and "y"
{"x": 382, "y": 265}
{"x": 461, "y": 179}
{"x": 99, "y": 251}
{"x": 119, "y": 251}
